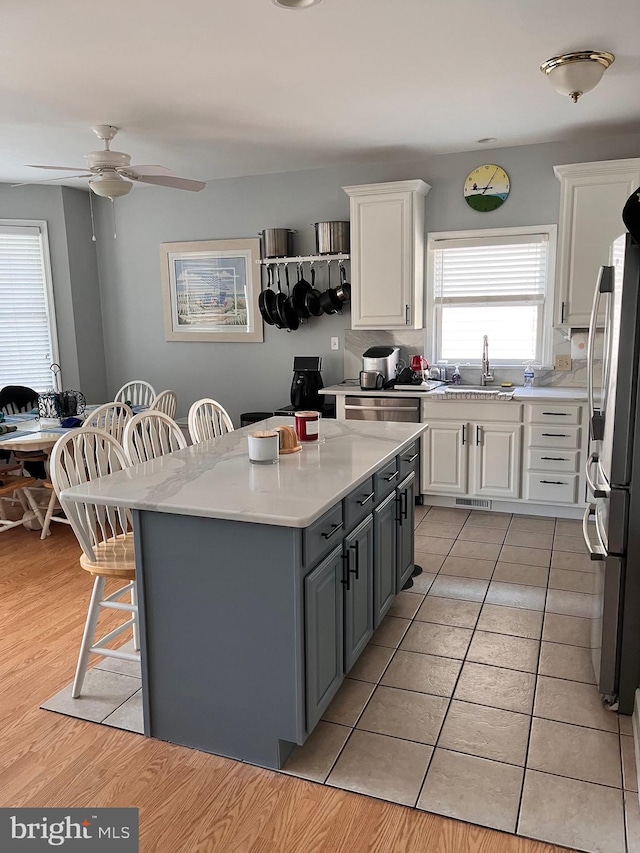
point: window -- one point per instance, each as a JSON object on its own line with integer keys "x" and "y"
{"x": 497, "y": 283}
{"x": 28, "y": 342}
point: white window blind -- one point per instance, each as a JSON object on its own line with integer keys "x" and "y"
{"x": 490, "y": 285}
{"x": 27, "y": 334}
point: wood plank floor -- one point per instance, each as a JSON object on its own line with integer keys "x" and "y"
{"x": 189, "y": 802}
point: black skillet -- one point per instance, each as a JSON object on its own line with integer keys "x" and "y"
{"x": 329, "y": 301}
{"x": 299, "y": 294}
{"x": 288, "y": 312}
{"x": 266, "y": 300}
{"x": 312, "y": 299}
{"x": 280, "y": 299}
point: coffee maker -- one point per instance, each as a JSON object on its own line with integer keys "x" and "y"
{"x": 307, "y": 382}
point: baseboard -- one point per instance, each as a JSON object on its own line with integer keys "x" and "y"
{"x": 516, "y": 507}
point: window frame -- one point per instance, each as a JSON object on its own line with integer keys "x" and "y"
{"x": 544, "y": 344}
{"x": 41, "y": 225}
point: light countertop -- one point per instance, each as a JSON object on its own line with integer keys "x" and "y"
{"x": 531, "y": 395}
{"x": 216, "y": 480}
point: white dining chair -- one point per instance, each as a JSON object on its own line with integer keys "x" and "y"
{"x": 151, "y": 434}
{"x": 207, "y": 420}
{"x": 110, "y": 417}
{"x": 105, "y": 536}
{"x": 166, "y": 402}
{"x": 136, "y": 393}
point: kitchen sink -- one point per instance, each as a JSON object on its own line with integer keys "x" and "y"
{"x": 479, "y": 392}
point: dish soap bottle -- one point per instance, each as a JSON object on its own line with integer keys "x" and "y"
{"x": 456, "y": 379}
{"x": 528, "y": 375}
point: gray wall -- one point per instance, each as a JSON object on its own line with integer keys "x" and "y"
{"x": 75, "y": 281}
{"x": 245, "y": 377}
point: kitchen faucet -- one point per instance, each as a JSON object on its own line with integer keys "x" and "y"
{"x": 486, "y": 376}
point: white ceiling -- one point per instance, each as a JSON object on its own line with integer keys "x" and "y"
{"x": 221, "y": 88}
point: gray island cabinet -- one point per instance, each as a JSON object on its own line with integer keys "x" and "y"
{"x": 259, "y": 586}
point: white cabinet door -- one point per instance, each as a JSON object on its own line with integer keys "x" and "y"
{"x": 445, "y": 458}
{"x": 496, "y": 460}
{"x": 387, "y": 255}
{"x": 592, "y": 196}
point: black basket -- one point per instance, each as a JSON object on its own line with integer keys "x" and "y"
{"x": 61, "y": 404}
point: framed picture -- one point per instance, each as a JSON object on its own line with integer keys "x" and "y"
{"x": 211, "y": 290}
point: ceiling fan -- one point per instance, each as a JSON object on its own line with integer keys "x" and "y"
{"x": 110, "y": 174}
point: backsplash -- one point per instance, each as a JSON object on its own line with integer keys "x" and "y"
{"x": 356, "y": 341}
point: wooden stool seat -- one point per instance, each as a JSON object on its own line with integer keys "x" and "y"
{"x": 114, "y": 558}
{"x": 13, "y": 482}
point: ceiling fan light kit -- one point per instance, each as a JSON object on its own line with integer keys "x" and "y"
{"x": 578, "y": 72}
{"x": 110, "y": 185}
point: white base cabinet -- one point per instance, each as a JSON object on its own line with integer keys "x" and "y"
{"x": 387, "y": 254}
{"x": 592, "y": 196}
{"x": 496, "y": 460}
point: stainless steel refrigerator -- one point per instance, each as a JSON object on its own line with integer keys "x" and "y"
{"x": 613, "y": 476}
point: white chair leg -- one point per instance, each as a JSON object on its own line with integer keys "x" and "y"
{"x": 47, "y": 519}
{"x": 136, "y": 624}
{"x": 33, "y": 503}
{"x": 89, "y": 633}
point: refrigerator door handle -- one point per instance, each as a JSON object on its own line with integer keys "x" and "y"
{"x": 594, "y": 553}
{"x": 596, "y": 490}
{"x": 603, "y": 285}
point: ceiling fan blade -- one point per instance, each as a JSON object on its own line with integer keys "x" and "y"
{"x": 58, "y": 168}
{"x": 150, "y": 170}
{"x": 171, "y": 181}
{"x": 48, "y": 180}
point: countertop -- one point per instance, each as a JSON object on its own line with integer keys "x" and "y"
{"x": 531, "y": 395}
{"x": 216, "y": 480}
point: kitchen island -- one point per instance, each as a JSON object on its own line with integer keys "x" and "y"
{"x": 259, "y": 585}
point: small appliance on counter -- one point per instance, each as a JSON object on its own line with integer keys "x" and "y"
{"x": 384, "y": 360}
{"x": 307, "y": 382}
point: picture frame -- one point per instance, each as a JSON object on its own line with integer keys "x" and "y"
{"x": 210, "y": 291}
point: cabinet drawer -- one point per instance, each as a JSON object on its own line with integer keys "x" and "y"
{"x": 551, "y": 488}
{"x": 553, "y": 460}
{"x": 556, "y": 414}
{"x": 408, "y": 460}
{"x": 554, "y": 436}
{"x": 386, "y": 479}
{"x": 323, "y": 535}
{"x": 358, "y": 504}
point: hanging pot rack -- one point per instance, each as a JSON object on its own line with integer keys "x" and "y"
{"x": 303, "y": 259}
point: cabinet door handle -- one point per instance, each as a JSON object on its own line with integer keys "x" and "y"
{"x": 464, "y": 433}
{"x": 399, "y": 506}
{"x": 366, "y": 500}
{"x": 478, "y": 433}
{"x": 554, "y": 459}
{"x": 406, "y": 314}
{"x": 562, "y": 312}
{"x": 356, "y": 548}
{"x": 555, "y": 435}
{"x": 557, "y": 414}
{"x": 411, "y": 458}
{"x": 553, "y": 482}
{"x": 405, "y": 511}
{"x": 345, "y": 570}
{"x": 335, "y": 529}
{"x": 391, "y": 477}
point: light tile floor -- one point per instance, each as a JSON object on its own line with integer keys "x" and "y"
{"x": 475, "y": 698}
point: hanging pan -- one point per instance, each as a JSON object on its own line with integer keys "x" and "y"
{"x": 266, "y": 300}
{"x": 312, "y": 299}
{"x": 299, "y": 294}
{"x": 287, "y": 312}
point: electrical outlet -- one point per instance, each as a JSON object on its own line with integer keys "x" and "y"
{"x": 562, "y": 362}
{"x": 335, "y": 343}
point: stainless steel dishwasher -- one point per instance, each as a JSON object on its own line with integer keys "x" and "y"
{"x": 403, "y": 409}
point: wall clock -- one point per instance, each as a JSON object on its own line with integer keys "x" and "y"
{"x": 486, "y": 188}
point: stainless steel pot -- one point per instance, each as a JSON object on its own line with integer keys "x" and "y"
{"x": 332, "y": 238}
{"x": 276, "y": 242}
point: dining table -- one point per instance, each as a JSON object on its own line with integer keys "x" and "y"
{"x": 30, "y": 434}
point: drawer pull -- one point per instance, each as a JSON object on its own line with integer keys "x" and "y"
{"x": 366, "y": 500}
{"x": 411, "y": 458}
{"x": 555, "y": 435}
{"x": 335, "y": 529}
{"x": 553, "y": 482}
{"x": 391, "y": 477}
{"x": 557, "y": 414}
{"x": 554, "y": 459}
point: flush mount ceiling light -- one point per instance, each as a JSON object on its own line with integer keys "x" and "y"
{"x": 487, "y": 139}
{"x": 295, "y": 4}
{"x": 575, "y": 73}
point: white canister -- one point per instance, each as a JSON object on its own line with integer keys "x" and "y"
{"x": 263, "y": 447}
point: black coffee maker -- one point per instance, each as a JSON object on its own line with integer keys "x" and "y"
{"x": 307, "y": 382}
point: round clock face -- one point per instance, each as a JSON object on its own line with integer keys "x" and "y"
{"x": 486, "y": 188}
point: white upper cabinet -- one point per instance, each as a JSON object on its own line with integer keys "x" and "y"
{"x": 592, "y": 196}
{"x": 387, "y": 255}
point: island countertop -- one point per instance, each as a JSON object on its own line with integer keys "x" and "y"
{"x": 216, "y": 480}
{"x": 537, "y": 394}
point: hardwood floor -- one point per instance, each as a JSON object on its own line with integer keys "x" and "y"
{"x": 189, "y": 802}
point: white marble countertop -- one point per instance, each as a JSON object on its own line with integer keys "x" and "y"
{"x": 520, "y": 394}
{"x": 216, "y": 480}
